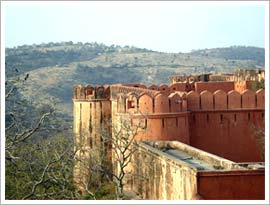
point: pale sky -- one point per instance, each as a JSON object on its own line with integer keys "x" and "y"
{"x": 161, "y": 26}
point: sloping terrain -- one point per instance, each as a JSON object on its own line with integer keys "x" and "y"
{"x": 55, "y": 68}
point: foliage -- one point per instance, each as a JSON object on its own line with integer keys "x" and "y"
{"x": 235, "y": 53}
{"x": 36, "y": 167}
{"x": 41, "y": 170}
{"x": 123, "y": 145}
{"x": 259, "y": 133}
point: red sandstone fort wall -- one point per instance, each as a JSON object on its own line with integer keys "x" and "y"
{"x": 165, "y": 117}
{"x": 224, "y": 123}
{"x": 213, "y": 86}
{"x": 220, "y": 122}
{"x": 225, "y": 185}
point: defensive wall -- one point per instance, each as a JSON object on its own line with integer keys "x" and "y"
{"x": 173, "y": 170}
{"x": 222, "y": 122}
{"x": 216, "y": 122}
{"x": 184, "y": 116}
{"x": 92, "y": 115}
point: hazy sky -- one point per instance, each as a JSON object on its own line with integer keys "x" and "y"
{"x": 162, "y": 26}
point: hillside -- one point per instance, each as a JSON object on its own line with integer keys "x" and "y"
{"x": 55, "y": 67}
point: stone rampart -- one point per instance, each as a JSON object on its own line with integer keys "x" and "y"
{"x": 90, "y": 92}
{"x": 220, "y": 100}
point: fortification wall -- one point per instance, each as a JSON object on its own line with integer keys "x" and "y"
{"x": 90, "y": 92}
{"x": 164, "y": 117}
{"x": 225, "y": 123}
{"x": 213, "y": 86}
{"x": 221, "y": 100}
{"x": 156, "y": 176}
{"x": 92, "y": 116}
{"x": 149, "y": 103}
{"x": 235, "y": 184}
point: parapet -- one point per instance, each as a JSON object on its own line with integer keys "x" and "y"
{"x": 152, "y": 90}
{"x": 90, "y": 92}
{"x": 214, "y": 86}
{"x": 221, "y": 100}
{"x": 189, "y": 78}
{"x": 151, "y": 102}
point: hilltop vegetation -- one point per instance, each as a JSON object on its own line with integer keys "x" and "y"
{"x": 234, "y": 53}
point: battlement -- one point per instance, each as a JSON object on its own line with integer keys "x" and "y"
{"x": 169, "y": 99}
{"x": 90, "y": 92}
{"x": 149, "y": 103}
{"x": 214, "y": 86}
{"x": 189, "y": 78}
{"x": 220, "y": 100}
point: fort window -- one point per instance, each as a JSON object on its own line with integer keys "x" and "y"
{"x": 194, "y": 119}
{"x": 89, "y": 92}
{"x": 176, "y": 121}
{"x": 91, "y": 142}
{"x": 207, "y": 118}
{"x": 145, "y": 123}
{"x": 235, "y": 118}
{"x": 90, "y": 125}
{"x": 163, "y": 122}
{"x": 262, "y": 115}
{"x": 101, "y": 117}
{"x": 130, "y": 104}
{"x": 221, "y": 119}
{"x": 248, "y": 116}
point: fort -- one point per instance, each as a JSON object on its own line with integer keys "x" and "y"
{"x": 197, "y": 136}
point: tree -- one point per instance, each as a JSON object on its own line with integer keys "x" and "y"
{"x": 36, "y": 168}
{"x": 104, "y": 168}
{"x": 124, "y": 145}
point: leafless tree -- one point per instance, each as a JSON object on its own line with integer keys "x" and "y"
{"x": 123, "y": 145}
{"x": 35, "y": 168}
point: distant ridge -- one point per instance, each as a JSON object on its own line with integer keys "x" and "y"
{"x": 54, "y": 68}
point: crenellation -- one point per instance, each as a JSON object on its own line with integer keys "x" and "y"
{"x": 175, "y": 102}
{"x": 206, "y": 100}
{"x": 260, "y": 98}
{"x": 146, "y": 104}
{"x": 248, "y": 99}
{"x": 220, "y": 100}
{"x": 234, "y": 100}
{"x": 193, "y": 100}
{"x": 161, "y": 103}
{"x": 153, "y": 87}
